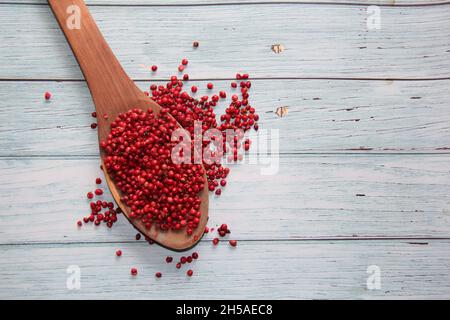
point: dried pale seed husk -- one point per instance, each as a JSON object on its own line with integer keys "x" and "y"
{"x": 282, "y": 111}
{"x": 277, "y": 48}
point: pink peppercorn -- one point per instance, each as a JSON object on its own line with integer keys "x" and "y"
{"x": 79, "y": 223}
{"x": 98, "y": 181}
{"x": 94, "y": 114}
{"x": 215, "y": 241}
{"x": 190, "y": 273}
{"x": 194, "y": 89}
{"x": 180, "y": 68}
{"x": 233, "y": 243}
{"x": 184, "y": 62}
{"x": 169, "y": 259}
{"x": 195, "y": 255}
{"x": 93, "y": 125}
{"x": 154, "y": 68}
{"x": 185, "y": 77}
{"x": 90, "y": 195}
{"x": 98, "y": 192}
{"x": 158, "y": 274}
{"x": 47, "y": 95}
{"x": 178, "y": 266}
{"x": 195, "y": 44}
{"x": 118, "y": 253}
{"x": 210, "y": 86}
{"x": 134, "y": 271}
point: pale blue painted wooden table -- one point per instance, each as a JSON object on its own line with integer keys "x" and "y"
{"x": 369, "y": 113}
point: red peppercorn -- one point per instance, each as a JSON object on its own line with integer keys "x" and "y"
{"x": 158, "y": 274}
{"x": 178, "y": 265}
{"x": 134, "y": 271}
{"x": 195, "y": 44}
{"x": 185, "y": 77}
{"x": 233, "y": 243}
{"x": 223, "y": 94}
{"x": 98, "y": 181}
{"x": 210, "y": 86}
{"x": 183, "y": 260}
{"x": 206, "y": 230}
{"x": 98, "y": 192}
{"x": 194, "y": 89}
{"x": 218, "y": 192}
{"x": 223, "y": 183}
{"x": 154, "y": 68}
{"x": 90, "y": 195}
{"x": 190, "y": 273}
{"x": 94, "y": 114}
{"x": 184, "y": 62}
{"x": 93, "y": 125}
{"x": 180, "y": 68}
{"x": 118, "y": 253}
{"x": 47, "y": 95}
{"x": 79, "y": 223}
{"x": 234, "y": 85}
{"x": 169, "y": 259}
{"x": 195, "y": 255}
{"x": 215, "y": 241}
{"x": 189, "y": 259}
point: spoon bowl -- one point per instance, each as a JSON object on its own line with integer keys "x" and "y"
{"x": 113, "y": 93}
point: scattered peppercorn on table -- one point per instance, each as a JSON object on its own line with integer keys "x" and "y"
{"x": 353, "y": 202}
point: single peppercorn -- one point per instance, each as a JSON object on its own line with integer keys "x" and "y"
{"x": 194, "y": 89}
{"x": 169, "y": 259}
{"x": 90, "y": 195}
{"x": 215, "y": 241}
{"x": 134, "y": 271}
{"x": 98, "y": 192}
{"x": 195, "y": 44}
{"x": 158, "y": 274}
{"x": 233, "y": 243}
{"x": 118, "y": 253}
{"x": 178, "y": 265}
{"x": 47, "y": 95}
{"x": 190, "y": 273}
{"x": 138, "y": 236}
{"x": 154, "y": 68}
{"x": 93, "y": 125}
{"x": 79, "y": 223}
{"x": 94, "y": 114}
{"x": 98, "y": 181}
{"x": 195, "y": 255}
{"x": 210, "y": 86}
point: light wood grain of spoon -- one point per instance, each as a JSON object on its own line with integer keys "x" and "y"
{"x": 113, "y": 92}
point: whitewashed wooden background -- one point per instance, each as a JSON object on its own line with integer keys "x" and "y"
{"x": 369, "y": 114}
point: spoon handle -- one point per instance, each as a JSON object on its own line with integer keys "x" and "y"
{"x": 101, "y": 69}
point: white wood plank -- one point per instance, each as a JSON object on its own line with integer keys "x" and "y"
{"x": 320, "y": 41}
{"x": 324, "y": 116}
{"x": 310, "y": 197}
{"x": 233, "y": 2}
{"x": 253, "y": 270}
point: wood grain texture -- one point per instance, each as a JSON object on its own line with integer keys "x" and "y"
{"x": 324, "y": 116}
{"x": 310, "y": 197}
{"x": 309, "y": 270}
{"x": 241, "y": 2}
{"x": 412, "y": 43}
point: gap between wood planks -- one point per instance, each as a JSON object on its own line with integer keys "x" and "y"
{"x": 410, "y": 240}
{"x": 233, "y": 79}
{"x": 218, "y": 3}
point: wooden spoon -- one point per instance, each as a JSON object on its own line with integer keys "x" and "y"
{"x": 113, "y": 93}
